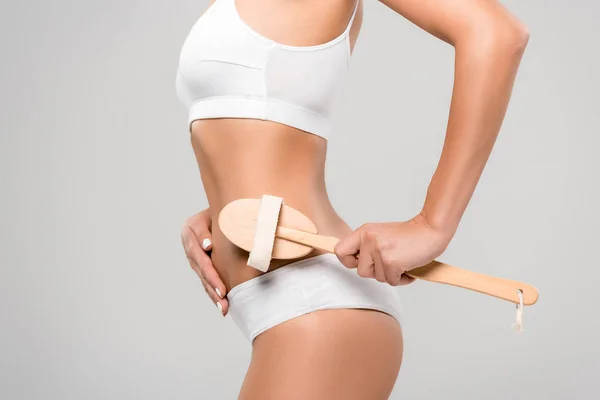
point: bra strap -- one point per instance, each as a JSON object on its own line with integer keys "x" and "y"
{"x": 352, "y": 17}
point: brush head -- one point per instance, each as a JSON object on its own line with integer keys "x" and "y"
{"x": 237, "y": 220}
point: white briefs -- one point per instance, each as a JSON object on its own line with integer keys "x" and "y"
{"x": 316, "y": 283}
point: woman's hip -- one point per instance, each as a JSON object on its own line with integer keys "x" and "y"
{"x": 327, "y": 354}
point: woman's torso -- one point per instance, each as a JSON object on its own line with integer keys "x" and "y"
{"x": 246, "y": 158}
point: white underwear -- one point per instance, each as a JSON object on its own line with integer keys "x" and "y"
{"x": 310, "y": 284}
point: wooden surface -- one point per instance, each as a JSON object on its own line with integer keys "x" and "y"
{"x": 505, "y": 289}
{"x": 237, "y": 221}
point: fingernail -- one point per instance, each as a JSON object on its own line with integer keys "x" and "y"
{"x": 205, "y": 243}
{"x": 220, "y": 307}
{"x": 218, "y": 292}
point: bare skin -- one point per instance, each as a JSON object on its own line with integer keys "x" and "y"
{"x": 329, "y": 354}
{"x": 350, "y": 354}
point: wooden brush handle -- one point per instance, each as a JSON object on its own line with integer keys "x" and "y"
{"x": 501, "y": 288}
{"x": 321, "y": 242}
{"x": 435, "y": 271}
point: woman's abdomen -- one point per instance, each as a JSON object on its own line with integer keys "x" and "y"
{"x": 244, "y": 158}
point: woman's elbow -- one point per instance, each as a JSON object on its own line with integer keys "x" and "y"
{"x": 515, "y": 37}
{"x": 508, "y": 37}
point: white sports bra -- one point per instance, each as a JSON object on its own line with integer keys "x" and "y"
{"x": 228, "y": 70}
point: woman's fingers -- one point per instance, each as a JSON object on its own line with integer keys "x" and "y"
{"x": 378, "y": 265}
{"x": 347, "y": 248}
{"x": 404, "y": 280}
{"x": 200, "y": 225}
{"x": 195, "y": 232}
{"x": 356, "y": 251}
{"x": 222, "y": 304}
{"x": 365, "y": 268}
{"x": 213, "y": 280}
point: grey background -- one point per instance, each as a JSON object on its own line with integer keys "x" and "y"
{"x": 97, "y": 176}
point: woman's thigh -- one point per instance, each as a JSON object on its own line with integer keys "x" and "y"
{"x": 328, "y": 354}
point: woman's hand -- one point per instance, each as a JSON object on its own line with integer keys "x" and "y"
{"x": 386, "y": 251}
{"x": 197, "y": 241}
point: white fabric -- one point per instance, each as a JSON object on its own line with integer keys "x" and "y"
{"x": 228, "y": 70}
{"x": 264, "y": 233}
{"x": 304, "y": 286}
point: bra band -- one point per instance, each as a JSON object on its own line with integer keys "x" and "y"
{"x": 227, "y": 69}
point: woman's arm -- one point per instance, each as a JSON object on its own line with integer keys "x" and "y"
{"x": 489, "y": 43}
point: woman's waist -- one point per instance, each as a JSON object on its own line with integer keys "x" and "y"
{"x": 231, "y": 261}
{"x": 242, "y": 158}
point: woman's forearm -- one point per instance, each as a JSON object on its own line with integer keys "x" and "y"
{"x": 486, "y": 64}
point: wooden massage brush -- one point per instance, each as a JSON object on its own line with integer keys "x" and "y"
{"x": 269, "y": 229}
